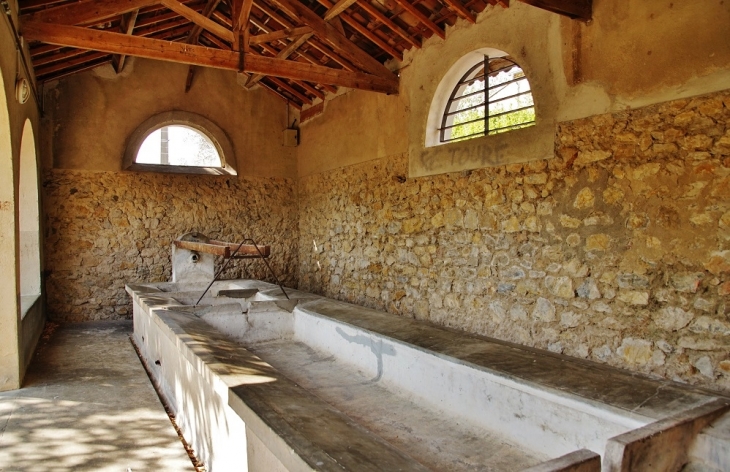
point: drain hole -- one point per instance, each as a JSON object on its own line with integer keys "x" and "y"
{"x": 157, "y": 362}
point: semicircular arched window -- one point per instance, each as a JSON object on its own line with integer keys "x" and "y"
{"x": 179, "y": 142}
{"x": 178, "y": 145}
{"x": 493, "y": 96}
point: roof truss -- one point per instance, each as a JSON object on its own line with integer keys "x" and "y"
{"x": 297, "y": 51}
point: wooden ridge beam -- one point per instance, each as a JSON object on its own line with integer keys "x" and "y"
{"x": 329, "y": 33}
{"x": 86, "y": 12}
{"x": 410, "y": 8}
{"x": 286, "y": 33}
{"x": 380, "y": 16}
{"x": 200, "y": 20}
{"x": 574, "y": 9}
{"x": 117, "y": 43}
{"x": 319, "y": 74}
{"x": 461, "y": 10}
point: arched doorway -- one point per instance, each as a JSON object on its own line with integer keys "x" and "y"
{"x": 9, "y": 314}
{"x": 29, "y": 219}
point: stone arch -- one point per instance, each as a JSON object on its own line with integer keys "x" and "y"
{"x": 29, "y": 216}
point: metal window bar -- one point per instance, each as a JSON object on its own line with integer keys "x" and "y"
{"x": 496, "y": 115}
{"x": 518, "y": 125}
{"x": 491, "y": 102}
{"x": 493, "y": 131}
{"x": 466, "y": 80}
{"x": 488, "y": 93}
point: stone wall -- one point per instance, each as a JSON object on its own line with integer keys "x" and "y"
{"x": 106, "y": 229}
{"x": 616, "y": 250}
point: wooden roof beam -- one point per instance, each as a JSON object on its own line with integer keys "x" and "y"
{"x": 200, "y": 20}
{"x": 197, "y": 29}
{"x": 116, "y": 43}
{"x": 86, "y": 12}
{"x": 271, "y": 89}
{"x": 380, "y": 16}
{"x": 319, "y": 74}
{"x": 127, "y": 27}
{"x": 271, "y": 50}
{"x": 286, "y": 33}
{"x": 315, "y": 44}
{"x": 365, "y": 32}
{"x": 329, "y": 33}
{"x": 283, "y": 54}
{"x": 574, "y": 9}
{"x": 461, "y": 10}
{"x": 84, "y": 67}
{"x": 283, "y": 85}
{"x": 410, "y": 8}
{"x": 337, "y": 8}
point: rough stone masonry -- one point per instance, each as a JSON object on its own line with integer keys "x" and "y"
{"x": 106, "y": 229}
{"x": 616, "y": 250}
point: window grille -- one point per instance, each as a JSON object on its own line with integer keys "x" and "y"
{"x": 479, "y": 107}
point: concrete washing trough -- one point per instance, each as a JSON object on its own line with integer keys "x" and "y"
{"x": 265, "y": 383}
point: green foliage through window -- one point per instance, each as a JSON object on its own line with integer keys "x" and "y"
{"x": 508, "y": 95}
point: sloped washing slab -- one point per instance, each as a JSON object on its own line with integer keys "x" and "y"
{"x": 384, "y": 388}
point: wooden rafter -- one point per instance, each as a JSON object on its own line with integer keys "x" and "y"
{"x": 337, "y": 8}
{"x": 286, "y": 33}
{"x": 127, "y": 27}
{"x": 380, "y": 16}
{"x": 283, "y": 54}
{"x": 312, "y": 73}
{"x": 365, "y": 32}
{"x": 315, "y": 44}
{"x": 116, "y": 43}
{"x": 86, "y": 12}
{"x": 294, "y": 92}
{"x": 200, "y": 20}
{"x": 330, "y": 34}
{"x": 460, "y": 10}
{"x": 197, "y": 29}
{"x": 410, "y": 8}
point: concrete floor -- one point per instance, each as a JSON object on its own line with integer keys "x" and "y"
{"x": 87, "y": 404}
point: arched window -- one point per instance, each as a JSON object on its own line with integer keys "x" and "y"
{"x": 179, "y": 142}
{"x": 491, "y": 96}
{"x": 178, "y": 145}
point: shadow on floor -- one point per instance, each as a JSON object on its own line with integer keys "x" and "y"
{"x": 87, "y": 404}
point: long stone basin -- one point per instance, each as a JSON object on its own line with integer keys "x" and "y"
{"x": 265, "y": 383}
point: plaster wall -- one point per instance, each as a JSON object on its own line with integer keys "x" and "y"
{"x": 90, "y": 116}
{"x": 16, "y": 339}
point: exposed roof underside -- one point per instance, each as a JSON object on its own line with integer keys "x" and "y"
{"x": 299, "y": 50}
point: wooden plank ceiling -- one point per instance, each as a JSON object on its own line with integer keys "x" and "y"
{"x": 298, "y": 50}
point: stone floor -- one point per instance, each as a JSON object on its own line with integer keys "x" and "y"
{"x": 87, "y": 404}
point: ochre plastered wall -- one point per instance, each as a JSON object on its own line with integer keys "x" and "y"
{"x": 610, "y": 246}
{"x": 90, "y": 116}
{"x": 106, "y": 227}
{"x": 17, "y": 336}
